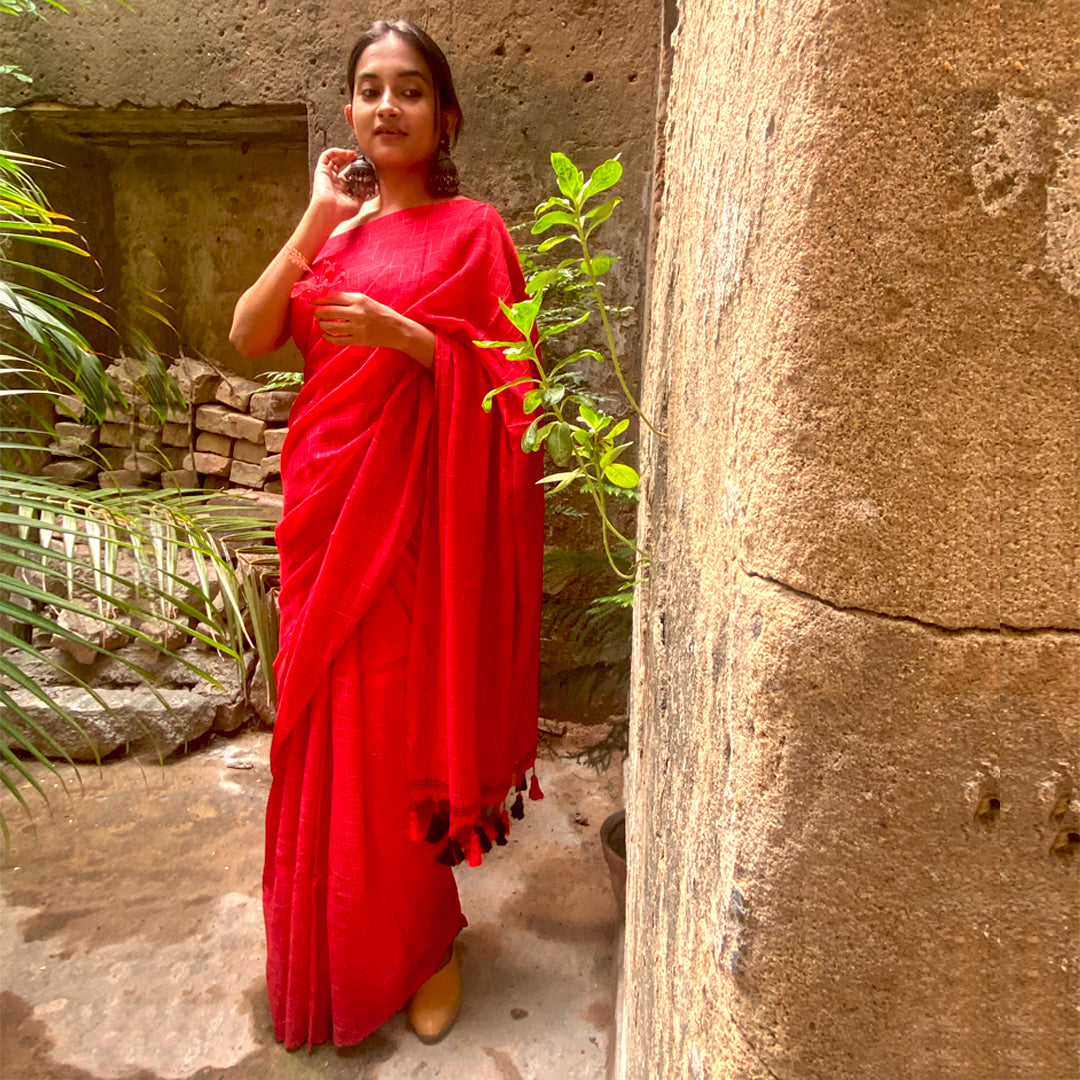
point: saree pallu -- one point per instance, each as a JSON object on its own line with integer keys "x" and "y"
{"x": 411, "y": 550}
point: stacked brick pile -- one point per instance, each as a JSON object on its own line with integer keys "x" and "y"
{"x": 229, "y": 435}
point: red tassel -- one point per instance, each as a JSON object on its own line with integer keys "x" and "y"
{"x": 415, "y": 832}
{"x": 475, "y": 855}
{"x": 534, "y": 788}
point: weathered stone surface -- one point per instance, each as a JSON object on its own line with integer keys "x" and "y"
{"x": 246, "y": 473}
{"x": 176, "y": 434}
{"x": 272, "y": 404}
{"x": 116, "y": 435}
{"x": 197, "y": 380}
{"x": 233, "y": 714}
{"x": 139, "y": 719}
{"x": 275, "y": 439}
{"x": 70, "y": 472}
{"x": 208, "y": 443}
{"x": 55, "y": 668}
{"x": 214, "y": 482}
{"x": 849, "y": 849}
{"x": 182, "y": 479}
{"x": 271, "y": 466}
{"x": 274, "y": 487}
{"x": 223, "y": 421}
{"x": 861, "y": 843}
{"x": 146, "y": 465}
{"x": 235, "y": 391}
{"x": 84, "y": 433}
{"x": 119, "y": 478}
{"x": 248, "y": 451}
{"x": 71, "y": 406}
{"x": 91, "y": 635}
{"x": 147, "y": 438}
{"x": 260, "y": 698}
{"x": 212, "y": 464}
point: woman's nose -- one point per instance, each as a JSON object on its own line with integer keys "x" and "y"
{"x": 387, "y": 104}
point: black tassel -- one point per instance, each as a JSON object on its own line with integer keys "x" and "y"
{"x": 500, "y": 830}
{"x": 445, "y": 857}
{"x": 485, "y": 840}
{"x": 457, "y": 851}
{"x": 517, "y": 811}
{"x": 438, "y": 828}
{"x": 521, "y": 784}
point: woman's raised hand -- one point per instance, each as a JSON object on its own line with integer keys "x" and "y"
{"x": 328, "y": 193}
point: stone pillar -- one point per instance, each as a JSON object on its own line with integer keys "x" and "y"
{"x": 853, "y": 831}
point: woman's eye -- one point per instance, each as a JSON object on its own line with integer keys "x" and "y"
{"x": 367, "y": 93}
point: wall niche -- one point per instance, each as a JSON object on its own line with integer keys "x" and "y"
{"x": 185, "y": 205}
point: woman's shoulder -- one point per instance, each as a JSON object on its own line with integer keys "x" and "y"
{"x": 476, "y": 211}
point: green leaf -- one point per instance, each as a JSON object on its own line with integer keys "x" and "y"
{"x": 571, "y": 179}
{"x": 589, "y": 416}
{"x": 490, "y": 396}
{"x": 531, "y": 401}
{"x": 553, "y": 217}
{"x": 552, "y": 395}
{"x": 621, "y": 475}
{"x": 561, "y": 328}
{"x": 601, "y": 213}
{"x": 560, "y": 445}
{"x": 528, "y": 440}
{"x": 618, "y": 429}
{"x": 552, "y": 241}
{"x": 551, "y": 203}
{"x": 603, "y": 176}
{"x": 540, "y": 281}
{"x": 600, "y": 264}
{"x": 523, "y": 314}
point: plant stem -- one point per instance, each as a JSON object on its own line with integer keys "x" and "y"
{"x": 587, "y": 264}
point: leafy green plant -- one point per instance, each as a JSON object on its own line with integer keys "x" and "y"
{"x": 582, "y": 439}
{"x": 157, "y": 567}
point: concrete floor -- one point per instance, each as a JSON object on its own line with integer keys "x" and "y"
{"x": 132, "y": 934}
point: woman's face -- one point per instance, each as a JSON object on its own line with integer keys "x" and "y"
{"x": 392, "y": 112}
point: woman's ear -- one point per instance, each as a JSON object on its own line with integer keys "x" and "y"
{"x": 348, "y": 114}
{"x": 451, "y": 121}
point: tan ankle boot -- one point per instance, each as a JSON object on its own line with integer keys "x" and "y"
{"x": 434, "y": 1007}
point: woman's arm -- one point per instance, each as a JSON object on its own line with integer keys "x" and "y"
{"x": 261, "y": 317}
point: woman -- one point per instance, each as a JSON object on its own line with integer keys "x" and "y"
{"x": 411, "y": 547}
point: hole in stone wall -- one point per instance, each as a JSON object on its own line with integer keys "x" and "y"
{"x": 989, "y": 810}
{"x": 500, "y": 50}
{"x": 588, "y": 77}
{"x": 186, "y": 205}
{"x": 1066, "y": 843}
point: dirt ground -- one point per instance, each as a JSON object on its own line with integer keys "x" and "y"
{"x": 132, "y": 940}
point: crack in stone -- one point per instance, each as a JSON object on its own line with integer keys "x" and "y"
{"x": 912, "y": 619}
{"x": 746, "y": 1038}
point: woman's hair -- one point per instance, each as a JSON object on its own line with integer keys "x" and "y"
{"x": 446, "y": 99}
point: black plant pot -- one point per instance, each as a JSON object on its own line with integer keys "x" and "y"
{"x": 613, "y": 841}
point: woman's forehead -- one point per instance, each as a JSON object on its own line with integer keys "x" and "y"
{"x": 391, "y": 56}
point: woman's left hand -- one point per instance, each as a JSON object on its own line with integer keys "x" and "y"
{"x": 355, "y": 319}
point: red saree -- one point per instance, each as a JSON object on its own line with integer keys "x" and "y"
{"x": 411, "y": 550}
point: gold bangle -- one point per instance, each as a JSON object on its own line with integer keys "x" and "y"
{"x": 297, "y": 259}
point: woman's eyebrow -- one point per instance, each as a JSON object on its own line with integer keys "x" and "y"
{"x": 398, "y": 74}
